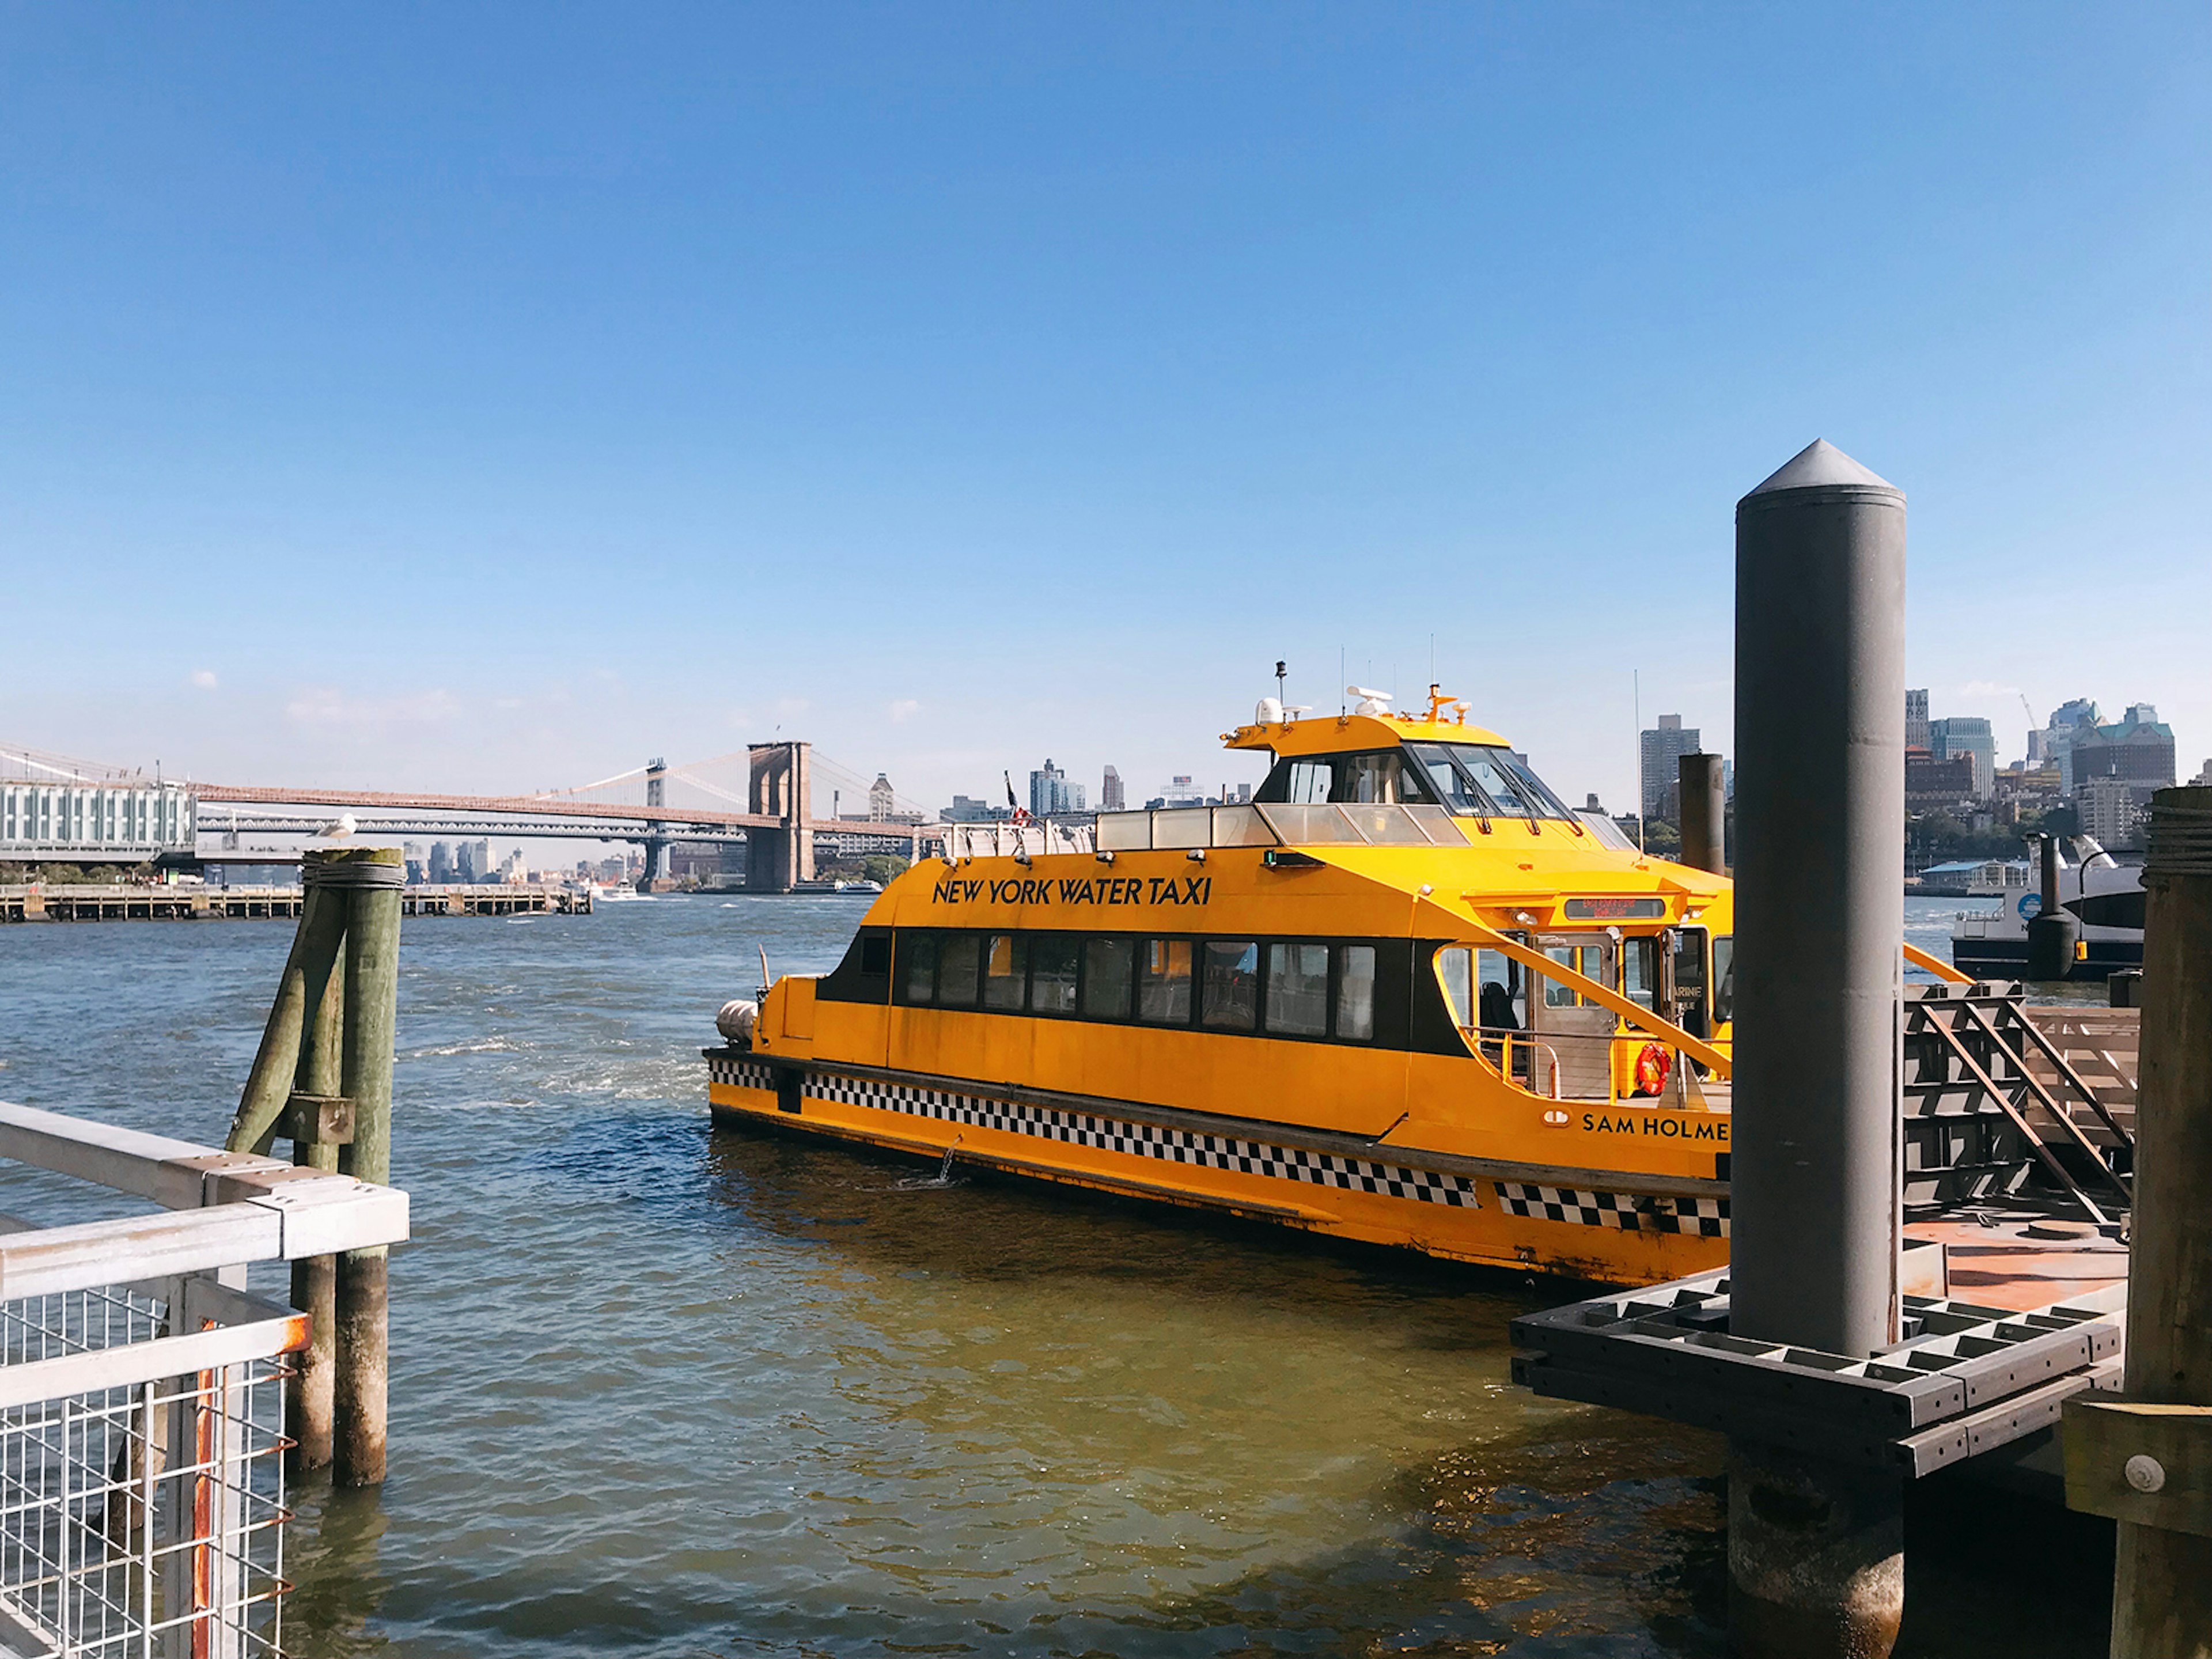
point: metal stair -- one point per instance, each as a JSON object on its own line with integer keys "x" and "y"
{"x": 1992, "y": 1108}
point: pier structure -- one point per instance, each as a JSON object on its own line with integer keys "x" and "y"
{"x": 180, "y": 902}
{"x": 142, "y": 1485}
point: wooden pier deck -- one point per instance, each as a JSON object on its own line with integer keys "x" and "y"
{"x": 112, "y": 902}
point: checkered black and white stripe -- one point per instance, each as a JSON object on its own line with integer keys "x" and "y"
{"x": 1707, "y": 1218}
{"x": 1150, "y": 1141}
{"x": 740, "y": 1074}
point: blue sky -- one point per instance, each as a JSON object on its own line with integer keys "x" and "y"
{"x": 488, "y": 398}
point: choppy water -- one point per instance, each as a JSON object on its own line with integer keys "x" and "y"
{"x": 658, "y": 1390}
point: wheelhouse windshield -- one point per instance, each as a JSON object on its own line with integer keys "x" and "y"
{"x": 1476, "y": 781}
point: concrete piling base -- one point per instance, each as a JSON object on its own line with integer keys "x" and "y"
{"x": 1816, "y": 1557}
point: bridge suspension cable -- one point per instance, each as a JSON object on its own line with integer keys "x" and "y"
{"x": 585, "y": 788}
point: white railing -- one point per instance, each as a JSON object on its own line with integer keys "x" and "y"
{"x": 1273, "y": 825}
{"x": 141, "y": 1494}
{"x": 1003, "y": 840}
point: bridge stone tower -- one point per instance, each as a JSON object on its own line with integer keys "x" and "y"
{"x": 781, "y": 786}
{"x": 656, "y": 846}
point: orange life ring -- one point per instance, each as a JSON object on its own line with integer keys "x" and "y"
{"x": 1653, "y": 1064}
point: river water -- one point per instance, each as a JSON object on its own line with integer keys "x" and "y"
{"x": 659, "y": 1389}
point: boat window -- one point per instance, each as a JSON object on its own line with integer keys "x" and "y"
{"x": 1455, "y": 967}
{"x": 1496, "y": 780}
{"x": 1163, "y": 981}
{"x": 1052, "y": 972}
{"x": 920, "y": 955}
{"x": 1003, "y": 962}
{"x": 1386, "y": 778}
{"x": 1723, "y": 979}
{"x": 1475, "y": 779}
{"x": 1533, "y": 789}
{"x": 1380, "y": 777}
{"x": 1298, "y": 989}
{"x": 1452, "y": 783}
{"x": 1639, "y": 971}
{"x": 1355, "y": 992}
{"x": 1107, "y": 972}
{"x": 1583, "y": 959}
{"x": 1497, "y": 988}
{"x": 1690, "y": 979}
{"x": 1232, "y": 984}
{"x": 2123, "y": 910}
{"x": 1297, "y": 783}
{"x": 956, "y": 971}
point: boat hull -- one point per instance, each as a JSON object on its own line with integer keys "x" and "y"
{"x": 2007, "y": 958}
{"x": 1628, "y": 1229}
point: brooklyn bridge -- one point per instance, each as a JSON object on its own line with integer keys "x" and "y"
{"x": 761, "y": 799}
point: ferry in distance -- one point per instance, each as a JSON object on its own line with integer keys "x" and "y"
{"x": 2106, "y": 896}
{"x": 1404, "y": 996}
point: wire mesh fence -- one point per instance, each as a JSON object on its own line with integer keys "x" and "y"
{"x": 140, "y": 1514}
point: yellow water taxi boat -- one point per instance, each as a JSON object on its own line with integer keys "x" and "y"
{"x": 1405, "y": 995}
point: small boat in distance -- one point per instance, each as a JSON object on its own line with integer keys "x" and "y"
{"x": 1405, "y": 995}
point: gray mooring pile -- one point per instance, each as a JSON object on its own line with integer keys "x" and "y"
{"x": 322, "y": 1080}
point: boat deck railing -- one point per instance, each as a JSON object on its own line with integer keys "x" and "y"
{"x": 1175, "y": 828}
{"x": 1589, "y": 1068}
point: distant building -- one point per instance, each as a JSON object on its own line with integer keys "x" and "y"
{"x": 1962, "y": 734}
{"x": 1934, "y": 783}
{"x": 883, "y": 800}
{"x": 964, "y": 810}
{"x": 2138, "y": 750}
{"x": 2113, "y": 811}
{"x": 1915, "y": 720}
{"x": 110, "y": 820}
{"x": 442, "y": 863}
{"x": 1180, "y": 791}
{"x": 1110, "y": 797}
{"x": 2203, "y": 779}
{"x": 1662, "y": 747}
{"x": 2059, "y": 735}
{"x": 472, "y": 861}
{"x": 695, "y": 860}
{"x": 1049, "y": 793}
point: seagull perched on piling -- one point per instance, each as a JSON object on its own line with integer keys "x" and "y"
{"x": 341, "y": 825}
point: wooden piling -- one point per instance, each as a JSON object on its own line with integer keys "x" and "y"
{"x": 270, "y": 1083}
{"x": 314, "y": 1279}
{"x": 372, "y": 878}
{"x": 2162, "y": 1584}
{"x": 1704, "y": 811}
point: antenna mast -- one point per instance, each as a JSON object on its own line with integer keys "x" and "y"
{"x": 1636, "y": 683}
